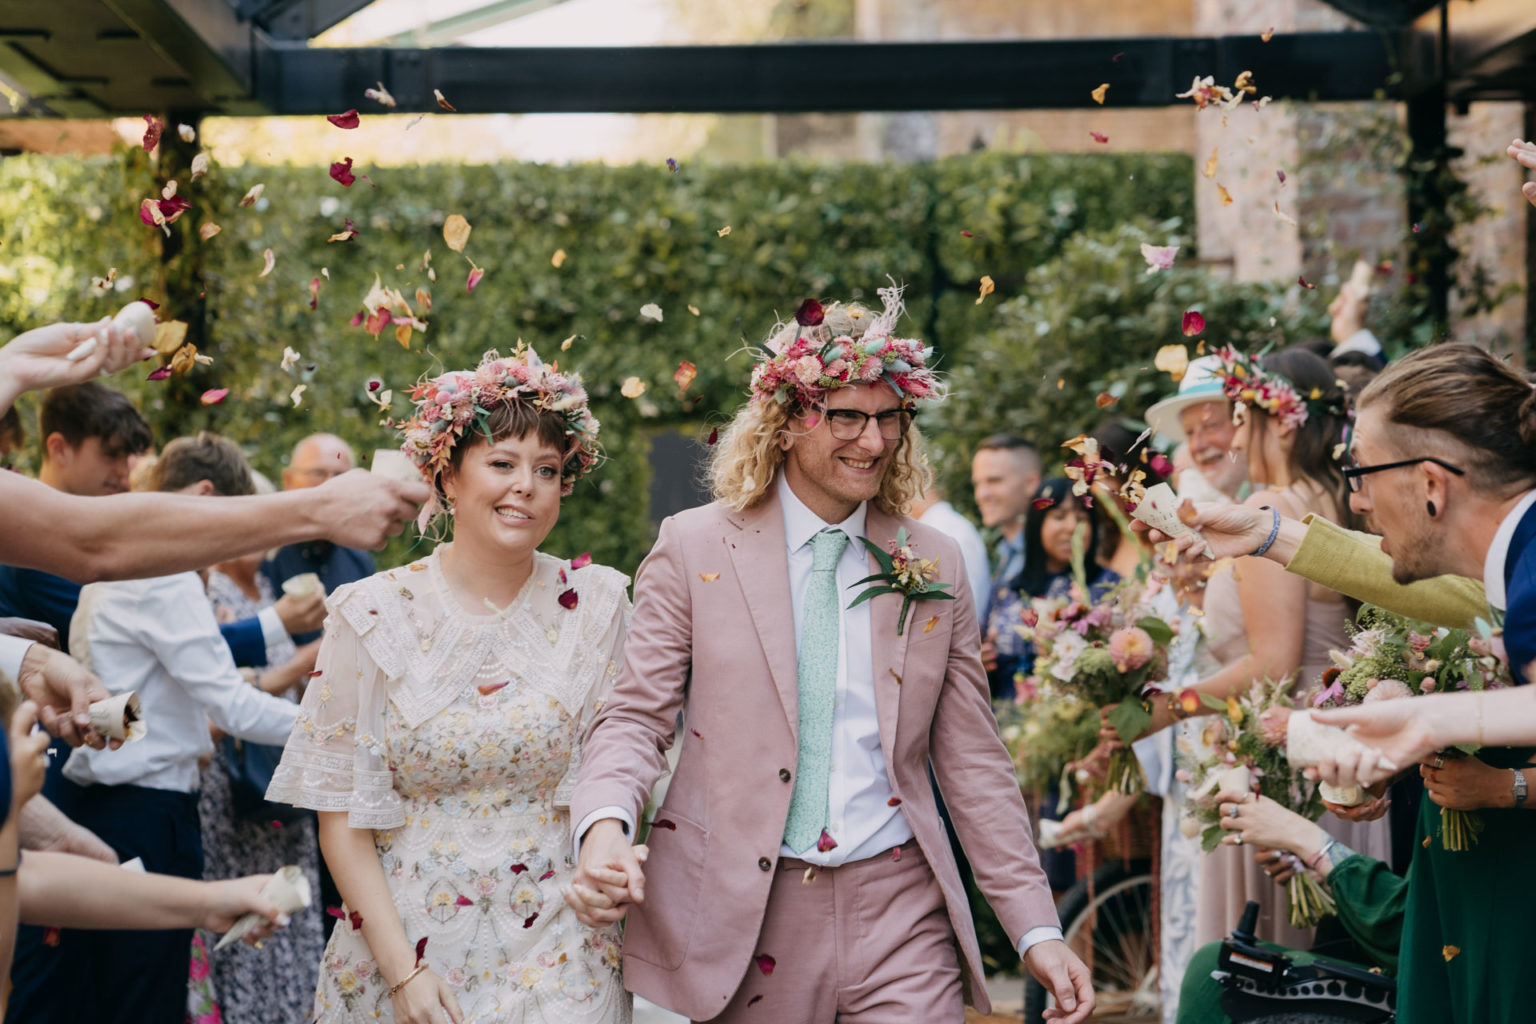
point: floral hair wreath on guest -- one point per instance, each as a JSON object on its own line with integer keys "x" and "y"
{"x": 840, "y": 346}
{"x": 450, "y": 404}
{"x": 1245, "y": 380}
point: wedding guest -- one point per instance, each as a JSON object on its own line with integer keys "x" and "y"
{"x": 158, "y": 638}
{"x": 440, "y": 741}
{"x": 932, "y": 509}
{"x": 276, "y": 984}
{"x": 800, "y": 835}
{"x": 316, "y": 459}
{"x": 1199, "y": 415}
{"x": 1005, "y": 473}
{"x": 13, "y": 436}
{"x": 1263, "y": 624}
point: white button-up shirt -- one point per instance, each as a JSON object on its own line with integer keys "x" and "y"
{"x": 859, "y": 817}
{"x": 159, "y": 637}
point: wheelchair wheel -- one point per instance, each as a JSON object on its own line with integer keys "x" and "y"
{"x": 1112, "y": 934}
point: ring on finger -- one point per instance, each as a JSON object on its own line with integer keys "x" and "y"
{"x": 1233, "y": 812}
{"x": 1239, "y": 840}
{"x": 1438, "y": 763}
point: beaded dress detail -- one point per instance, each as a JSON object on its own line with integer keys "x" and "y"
{"x": 455, "y": 736}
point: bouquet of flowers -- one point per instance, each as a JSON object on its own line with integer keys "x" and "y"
{"x": 1045, "y": 737}
{"x": 1106, "y": 654}
{"x": 1243, "y": 747}
{"x": 1390, "y": 657}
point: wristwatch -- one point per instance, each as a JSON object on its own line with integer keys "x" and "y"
{"x": 1520, "y": 788}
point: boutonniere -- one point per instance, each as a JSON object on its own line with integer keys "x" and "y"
{"x": 905, "y": 574}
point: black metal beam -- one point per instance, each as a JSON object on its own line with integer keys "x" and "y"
{"x": 304, "y": 19}
{"x": 825, "y": 77}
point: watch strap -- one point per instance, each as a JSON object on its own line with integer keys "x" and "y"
{"x": 1521, "y": 790}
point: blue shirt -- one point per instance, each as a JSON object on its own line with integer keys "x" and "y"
{"x": 335, "y": 565}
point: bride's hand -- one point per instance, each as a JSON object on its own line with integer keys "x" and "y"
{"x": 424, "y": 1000}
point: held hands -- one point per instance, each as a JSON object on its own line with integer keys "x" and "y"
{"x": 360, "y": 509}
{"x": 608, "y": 877}
{"x": 1064, "y": 976}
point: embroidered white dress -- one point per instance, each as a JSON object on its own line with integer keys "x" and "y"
{"x": 455, "y": 737}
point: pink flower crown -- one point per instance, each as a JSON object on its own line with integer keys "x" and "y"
{"x": 821, "y": 350}
{"x": 450, "y": 404}
{"x": 1244, "y": 380}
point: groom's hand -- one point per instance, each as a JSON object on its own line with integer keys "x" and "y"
{"x": 1065, "y": 977}
{"x": 608, "y": 876}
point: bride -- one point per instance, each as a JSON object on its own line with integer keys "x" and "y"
{"x": 439, "y": 739}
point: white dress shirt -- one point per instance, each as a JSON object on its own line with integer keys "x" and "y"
{"x": 941, "y": 515}
{"x": 1498, "y": 552}
{"x": 159, "y": 637}
{"x": 13, "y": 651}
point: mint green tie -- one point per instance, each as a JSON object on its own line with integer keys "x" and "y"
{"x": 817, "y": 691}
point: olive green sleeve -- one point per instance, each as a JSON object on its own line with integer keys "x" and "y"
{"x": 1354, "y": 565}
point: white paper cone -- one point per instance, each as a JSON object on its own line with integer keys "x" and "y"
{"x": 1049, "y": 834}
{"x": 1307, "y": 741}
{"x": 288, "y": 890}
{"x": 1159, "y": 509}
{"x": 139, "y": 317}
{"x": 396, "y": 465}
{"x": 301, "y": 585}
{"x": 119, "y": 717}
{"x": 1344, "y": 796}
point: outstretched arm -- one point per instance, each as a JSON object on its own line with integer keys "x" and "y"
{"x": 41, "y": 358}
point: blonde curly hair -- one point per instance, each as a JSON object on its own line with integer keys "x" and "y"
{"x": 748, "y": 455}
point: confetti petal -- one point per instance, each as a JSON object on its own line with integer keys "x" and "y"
{"x": 1226, "y": 197}
{"x": 297, "y": 395}
{"x": 213, "y": 396}
{"x": 694, "y": 310}
{"x": 714, "y": 436}
{"x": 765, "y": 963}
{"x": 987, "y": 288}
{"x": 568, "y": 600}
{"x": 825, "y": 843}
{"x": 651, "y": 311}
{"x": 1450, "y": 952}
{"x": 376, "y": 321}
{"x": 1172, "y": 360}
{"x": 442, "y": 101}
{"x": 810, "y": 313}
{"x": 582, "y": 560}
{"x": 199, "y": 165}
{"x": 754, "y": 999}
{"x": 347, "y": 119}
{"x": 314, "y": 293}
{"x": 667, "y": 824}
{"x": 208, "y": 230}
{"x": 1104, "y": 399}
{"x": 1099, "y": 137}
{"x": 528, "y": 921}
{"x": 475, "y": 274}
{"x": 346, "y": 234}
{"x": 709, "y": 577}
{"x": 186, "y": 132}
{"x": 684, "y": 374}
{"x": 269, "y": 260}
{"x": 341, "y": 170}
{"x": 1043, "y": 502}
{"x": 1210, "y": 164}
{"x": 463, "y": 901}
{"x": 518, "y": 869}
{"x": 1158, "y": 257}
{"x": 456, "y": 232}
{"x": 161, "y": 374}
{"x": 1099, "y": 94}
{"x": 1194, "y": 323}
{"x": 153, "y": 126}
{"x": 421, "y": 949}
{"x": 557, "y": 259}
{"x": 249, "y": 199}
{"x": 633, "y": 387}
{"x": 1281, "y": 175}
{"x": 724, "y": 231}
{"x": 1308, "y": 285}
{"x": 672, "y": 165}
{"x": 1267, "y": 34}
{"x": 380, "y": 95}
{"x": 966, "y": 234}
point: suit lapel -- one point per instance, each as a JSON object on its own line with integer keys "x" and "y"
{"x": 762, "y": 570}
{"x": 889, "y": 650}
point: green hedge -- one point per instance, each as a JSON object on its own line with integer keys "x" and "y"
{"x": 632, "y": 235}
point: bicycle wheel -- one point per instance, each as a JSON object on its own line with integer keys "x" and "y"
{"x": 1112, "y": 934}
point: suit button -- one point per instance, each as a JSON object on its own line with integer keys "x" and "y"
{"x": 783, "y": 774}
{"x": 764, "y": 863}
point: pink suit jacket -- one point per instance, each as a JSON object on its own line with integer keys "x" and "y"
{"x": 713, "y": 634}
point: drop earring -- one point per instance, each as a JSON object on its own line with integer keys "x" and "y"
{"x": 1431, "y": 507}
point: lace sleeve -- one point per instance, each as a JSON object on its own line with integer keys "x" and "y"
{"x": 610, "y": 653}
{"x": 334, "y": 759}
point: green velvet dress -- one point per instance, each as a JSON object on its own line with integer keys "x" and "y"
{"x": 1371, "y": 902}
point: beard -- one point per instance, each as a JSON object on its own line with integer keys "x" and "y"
{"x": 1416, "y": 556}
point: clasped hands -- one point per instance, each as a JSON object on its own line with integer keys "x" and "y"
{"x": 608, "y": 878}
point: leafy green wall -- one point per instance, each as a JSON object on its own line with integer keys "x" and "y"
{"x": 632, "y": 235}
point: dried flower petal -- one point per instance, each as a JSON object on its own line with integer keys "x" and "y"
{"x": 249, "y": 199}
{"x": 966, "y": 234}
{"x": 651, "y": 311}
{"x": 213, "y": 396}
{"x": 896, "y": 853}
{"x": 694, "y": 310}
{"x": 1223, "y": 194}
{"x": 269, "y": 260}
{"x": 161, "y": 374}
{"x": 1281, "y": 175}
{"x": 709, "y": 577}
{"x": 1158, "y": 257}
{"x": 672, "y": 165}
{"x": 1308, "y": 285}
{"x": 633, "y": 387}
{"x": 582, "y": 560}
{"x": 528, "y": 921}
{"x": 765, "y": 963}
{"x": 684, "y": 374}
{"x": 1104, "y": 399}
{"x": 1099, "y": 137}
{"x": 810, "y": 313}
{"x": 314, "y": 293}
{"x": 664, "y": 823}
{"x": 456, "y": 232}
{"x": 199, "y": 165}
{"x": 475, "y": 274}
{"x": 1210, "y": 163}
{"x": 987, "y": 288}
{"x": 724, "y": 231}
{"x": 381, "y": 95}
{"x": 714, "y": 436}
{"x": 376, "y": 321}
{"x": 421, "y": 950}
{"x": 463, "y": 901}
{"x": 346, "y": 234}
{"x": 297, "y": 395}
{"x": 1099, "y": 94}
{"x": 825, "y": 843}
{"x": 557, "y": 259}
{"x": 1172, "y": 360}
{"x": 153, "y": 126}
{"x": 1194, "y": 323}
{"x": 208, "y": 230}
{"x": 442, "y": 101}
{"x": 518, "y": 869}
{"x": 341, "y": 170}
{"x": 568, "y": 600}
{"x": 1449, "y": 952}
{"x": 347, "y": 119}
{"x": 1043, "y": 502}
{"x": 1267, "y": 34}
{"x": 187, "y": 132}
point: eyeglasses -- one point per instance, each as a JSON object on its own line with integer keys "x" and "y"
{"x": 1352, "y": 474}
{"x": 848, "y": 424}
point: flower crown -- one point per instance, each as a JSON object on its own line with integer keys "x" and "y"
{"x": 1244, "y": 380}
{"x": 821, "y": 350}
{"x": 448, "y": 405}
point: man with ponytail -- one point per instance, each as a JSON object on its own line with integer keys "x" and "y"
{"x": 799, "y": 861}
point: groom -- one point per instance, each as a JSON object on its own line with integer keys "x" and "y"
{"x": 799, "y": 870}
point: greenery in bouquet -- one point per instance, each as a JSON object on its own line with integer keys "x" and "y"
{"x": 1391, "y": 657}
{"x": 1243, "y": 747}
{"x": 1106, "y": 653}
{"x": 1044, "y": 737}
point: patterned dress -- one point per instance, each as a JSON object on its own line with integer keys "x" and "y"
{"x": 273, "y": 984}
{"x": 454, "y": 736}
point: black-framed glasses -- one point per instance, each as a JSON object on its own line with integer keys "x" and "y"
{"x": 1352, "y": 474}
{"x": 848, "y": 424}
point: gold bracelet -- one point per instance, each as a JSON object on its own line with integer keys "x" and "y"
{"x": 397, "y": 986}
